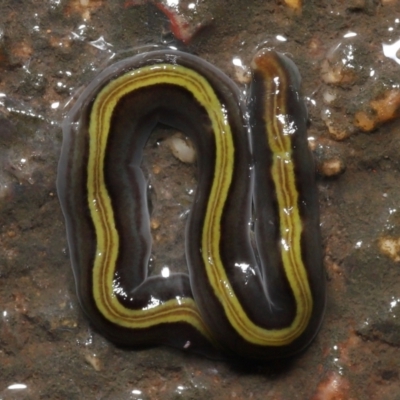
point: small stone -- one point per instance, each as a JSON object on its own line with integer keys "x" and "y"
{"x": 182, "y": 149}
{"x": 94, "y": 361}
{"x": 332, "y": 167}
{"x": 343, "y": 62}
{"x": 390, "y": 247}
{"x": 154, "y": 223}
{"x": 336, "y": 73}
{"x": 364, "y": 122}
{"x": 383, "y": 108}
{"x": 387, "y": 106}
{"x": 329, "y": 158}
{"x": 337, "y": 125}
{"x": 156, "y": 169}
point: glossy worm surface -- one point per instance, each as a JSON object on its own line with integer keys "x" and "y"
{"x": 255, "y": 298}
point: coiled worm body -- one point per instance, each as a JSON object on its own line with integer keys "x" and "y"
{"x": 238, "y": 300}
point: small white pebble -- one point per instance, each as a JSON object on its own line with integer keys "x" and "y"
{"x": 329, "y": 96}
{"x": 332, "y": 167}
{"x": 182, "y": 149}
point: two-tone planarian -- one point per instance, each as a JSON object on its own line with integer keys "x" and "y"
{"x": 239, "y": 300}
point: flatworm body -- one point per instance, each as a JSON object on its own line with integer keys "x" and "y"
{"x": 237, "y": 300}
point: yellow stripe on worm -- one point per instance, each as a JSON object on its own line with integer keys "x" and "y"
{"x": 230, "y": 306}
{"x": 101, "y": 209}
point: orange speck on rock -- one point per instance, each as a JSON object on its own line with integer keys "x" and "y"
{"x": 83, "y": 7}
{"x": 294, "y": 4}
{"x": 154, "y": 223}
{"x": 346, "y": 346}
{"x": 22, "y": 50}
{"x": 315, "y": 47}
{"x": 335, "y": 271}
{"x": 20, "y": 303}
{"x": 60, "y": 42}
{"x": 332, "y": 387}
{"x": 156, "y": 169}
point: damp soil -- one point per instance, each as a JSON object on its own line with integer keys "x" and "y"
{"x": 49, "y": 50}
